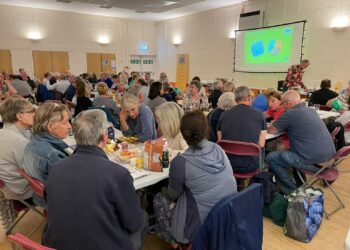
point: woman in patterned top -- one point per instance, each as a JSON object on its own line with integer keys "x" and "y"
{"x": 195, "y": 100}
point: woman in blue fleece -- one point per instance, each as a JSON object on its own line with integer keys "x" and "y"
{"x": 198, "y": 178}
{"x": 51, "y": 126}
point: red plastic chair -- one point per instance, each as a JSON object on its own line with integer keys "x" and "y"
{"x": 244, "y": 149}
{"x": 325, "y": 108}
{"x": 26, "y": 243}
{"x": 36, "y": 185}
{"x": 347, "y": 127}
{"x": 328, "y": 174}
{"x": 334, "y": 134}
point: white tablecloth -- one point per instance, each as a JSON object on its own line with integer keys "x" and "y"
{"x": 142, "y": 178}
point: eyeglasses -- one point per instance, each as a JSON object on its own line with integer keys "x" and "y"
{"x": 284, "y": 102}
{"x": 31, "y": 111}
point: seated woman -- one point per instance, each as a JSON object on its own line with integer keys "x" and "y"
{"x": 198, "y": 179}
{"x": 83, "y": 100}
{"x": 137, "y": 119}
{"x": 225, "y": 102}
{"x": 103, "y": 101}
{"x": 195, "y": 100}
{"x": 154, "y": 95}
{"x": 168, "y": 116}
{"x": 275, "y": 110}
{"x": 51, "y": 126}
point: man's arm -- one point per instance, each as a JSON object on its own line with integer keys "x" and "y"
{"x": 11, "y": 89}
{"x": 147, "y": 126}
{"x": 262, "y": 138}
{"x": 272, "y": 130}
{"x": 219, "y": 135}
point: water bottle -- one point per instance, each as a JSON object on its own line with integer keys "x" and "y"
{"x": 111, "y": 134}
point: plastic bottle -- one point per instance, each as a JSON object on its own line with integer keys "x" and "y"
{"x": 139, "y": 159}
{"x": 165, "y": 156}
{"x": 111, "y": 134}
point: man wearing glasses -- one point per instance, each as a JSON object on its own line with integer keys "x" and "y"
{"x": 17, "y": 116}
{"x": 310, "y": 141}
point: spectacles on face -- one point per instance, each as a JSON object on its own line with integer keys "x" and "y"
{"x": 283, "y": 102}
{"x": 30, "y": 111}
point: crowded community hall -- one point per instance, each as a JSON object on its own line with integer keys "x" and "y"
{"x": 189, "y": 125}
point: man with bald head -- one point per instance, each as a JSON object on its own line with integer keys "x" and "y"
{"x": 310, "y": 141}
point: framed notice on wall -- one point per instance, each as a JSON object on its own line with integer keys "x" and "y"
{"x": 182, "y": 68}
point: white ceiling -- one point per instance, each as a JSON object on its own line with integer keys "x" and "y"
{"x": 166, "y": 9}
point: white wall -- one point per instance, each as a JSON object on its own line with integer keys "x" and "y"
{"x": 206, "y": 38}
{"x": 75, "y": 33}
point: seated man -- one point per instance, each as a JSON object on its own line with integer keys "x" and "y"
{"x": 17, "y": 115}
{"x": 22, "y": 87}
{"x": 324, "y": 94}
{"x": 215, "y": 95}
{"x": 91, "y": 201}
{"x": 137, "y": 119}
{"x": 243, "y": 123}
{"x": 310, "y": 141}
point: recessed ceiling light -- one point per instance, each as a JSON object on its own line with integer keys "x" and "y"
{"x": 34, "y": 35}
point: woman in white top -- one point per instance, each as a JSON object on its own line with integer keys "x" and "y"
{"x": 168, "y": 116}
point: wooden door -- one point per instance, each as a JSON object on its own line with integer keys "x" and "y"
{"x": 94, "y": 64}
{"x": 108, "y": 63}
{"x": 5, "y": 61}
{"x": 41, "y": 63}
{"x": 59, "y": 61}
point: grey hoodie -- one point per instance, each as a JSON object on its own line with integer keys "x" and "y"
{"x": 205, "y": 177}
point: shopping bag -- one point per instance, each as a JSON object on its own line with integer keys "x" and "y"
{"x": 304, "y": 213}
{"x": 277, "y": 209}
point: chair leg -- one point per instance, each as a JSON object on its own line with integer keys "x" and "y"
{"x": 341, "y": 204}
{"x": 36, "y": 228}
{"x": 33, "y": 207}
{"x": 9, "y": 230}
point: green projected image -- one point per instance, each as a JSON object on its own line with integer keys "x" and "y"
{"x": 268, "y": 46}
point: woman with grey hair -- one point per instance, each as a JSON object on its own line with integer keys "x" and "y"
{"x": 51, "y": 126}
{"x": 137, "y": 119}
{"x": 225, "y": 102}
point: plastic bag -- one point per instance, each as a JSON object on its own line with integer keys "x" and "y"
{"x": 153, "y": 153}
{"x": 304, "y": 214}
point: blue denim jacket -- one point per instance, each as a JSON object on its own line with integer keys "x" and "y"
{"x": 41, "y": 153}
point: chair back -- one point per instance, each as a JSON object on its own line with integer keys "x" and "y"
{"x": 235, "y": 222}
{"x": 325, "y": 108}
{"x": 334, "y": 133}
{"x": 36, "y": 185}
{"x": 342, "y": 154}
{"x": 26, "y": 243}
{"x": 240, "y": 148}
{"x": 347, "y": 127}
{"x": 109, "y": 115}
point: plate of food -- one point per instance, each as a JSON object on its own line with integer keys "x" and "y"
{"x": 128, "y": 139}
{"x": 125, "y": 156}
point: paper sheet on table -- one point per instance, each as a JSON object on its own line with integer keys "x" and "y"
{"x": 136, "y": 174}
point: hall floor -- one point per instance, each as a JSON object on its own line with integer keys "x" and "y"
{"x": 331, "y": 235}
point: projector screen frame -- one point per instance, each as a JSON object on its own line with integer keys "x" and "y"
{"x": 266, "y": 27}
